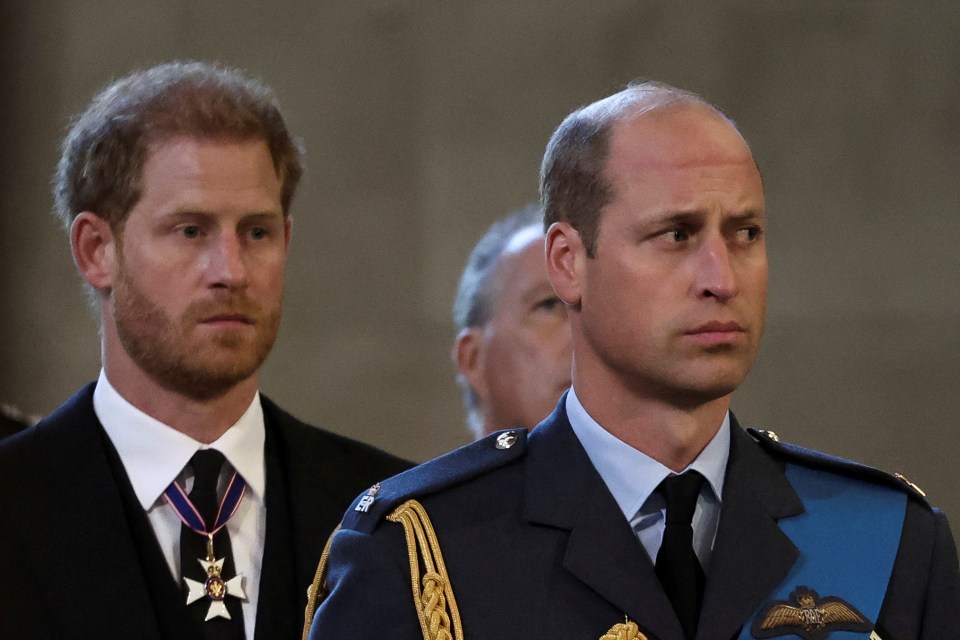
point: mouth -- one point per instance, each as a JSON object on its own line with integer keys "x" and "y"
{"x": 228, "y": 320}
{"x": 716, "y": 333}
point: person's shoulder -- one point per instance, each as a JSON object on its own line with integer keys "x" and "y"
{"x": 477, "y": 461}
{"x": 47, "y": 432}
{"x": 842, "y": 467}
{"x": 313, "y": 442}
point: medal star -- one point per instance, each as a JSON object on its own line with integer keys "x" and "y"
{"x": 217, "y": 610}
{"x": 197, "y": 590}
{"x": 215, "y": 589}
{"x": 217, "y": 565}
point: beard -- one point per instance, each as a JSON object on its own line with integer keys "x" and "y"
{"x": 170, "y": 352}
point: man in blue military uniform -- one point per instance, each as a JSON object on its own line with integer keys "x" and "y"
{"x": 640, "y": 508}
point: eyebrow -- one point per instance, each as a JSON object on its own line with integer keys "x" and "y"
{"x": 696, "y": 214}
{"x": 189, "y": 212}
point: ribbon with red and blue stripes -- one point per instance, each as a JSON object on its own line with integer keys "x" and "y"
{"x": 189, "y": 515}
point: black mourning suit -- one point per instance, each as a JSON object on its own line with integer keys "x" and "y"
{"x": 82, "y": 561}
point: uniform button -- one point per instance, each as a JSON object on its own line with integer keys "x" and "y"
{"x": 506, "y": 440}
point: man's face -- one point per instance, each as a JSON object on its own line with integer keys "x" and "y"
{"x": 524, "y": 349}
{"x": 197, "y": 294}
{"x": 672, "y": 306}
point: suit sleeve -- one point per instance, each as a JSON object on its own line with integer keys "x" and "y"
{"x": 941, "y": 613}
{"x": 370, "y": 596}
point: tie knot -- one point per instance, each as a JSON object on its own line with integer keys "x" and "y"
{"x": 206, "y": 465}
{"x": 680, "y": 494}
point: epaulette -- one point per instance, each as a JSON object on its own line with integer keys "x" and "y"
{"x": 456, "y": 467}
{"x": 809, "y": 457}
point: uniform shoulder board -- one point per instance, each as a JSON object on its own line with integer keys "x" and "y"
{"x": 771, "y": 442}
{"x": 456, "y": 467}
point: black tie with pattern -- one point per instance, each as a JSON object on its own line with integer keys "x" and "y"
{"x": 678, "y": 568}
{"x": 206, "y": 465}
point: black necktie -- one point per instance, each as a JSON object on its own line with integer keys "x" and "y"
{"x": 679, "y": 570}
{"x": 193, "y": 547}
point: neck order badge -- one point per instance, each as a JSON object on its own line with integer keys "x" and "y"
{"x": 215, "y": 588}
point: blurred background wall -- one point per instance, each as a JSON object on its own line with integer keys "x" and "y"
{"x": 425, "y": 120}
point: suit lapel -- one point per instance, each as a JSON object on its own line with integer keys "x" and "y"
{"x": 563, "y": 490}
{"x": 299, "y": 513}
{"x": 88, "y": 540}
{"x": 277, "y": 612}
{"x": 751, "y": 554}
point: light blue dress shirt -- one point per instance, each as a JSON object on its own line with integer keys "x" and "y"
{"x": 632, "y": 477}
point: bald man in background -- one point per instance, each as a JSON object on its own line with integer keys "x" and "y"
{"x": 512, "y": 349}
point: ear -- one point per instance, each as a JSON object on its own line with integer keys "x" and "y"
{"x": 287, "y": 230}
{"x": 467, "y": 355}
{"x": 94, "y": 249}
{"x": 566, "y": 261}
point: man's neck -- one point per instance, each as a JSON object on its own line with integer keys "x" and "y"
{"x": 203, "y": 420}
{"x": 670, "y": 434}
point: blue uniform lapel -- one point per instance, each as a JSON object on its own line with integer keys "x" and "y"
{"x": 563, "y": 490}
{"x": 751, "y": 554}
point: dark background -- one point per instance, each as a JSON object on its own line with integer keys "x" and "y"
{"x": 425, "y": 120}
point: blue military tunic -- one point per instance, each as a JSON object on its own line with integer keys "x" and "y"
{"x": 516, "y": 536}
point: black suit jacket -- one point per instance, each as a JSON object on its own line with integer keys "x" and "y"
{"x": 536, "y": 547}
{"x": 76, "y": 565}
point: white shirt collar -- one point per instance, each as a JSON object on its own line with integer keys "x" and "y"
{"x": 154, "y": 454}
{"x": 632, "y": 475}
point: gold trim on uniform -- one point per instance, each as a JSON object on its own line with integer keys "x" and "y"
{"x": 432, "y": 593}
{"x": 624, "y": 631}
{"x": 317, "y": 591}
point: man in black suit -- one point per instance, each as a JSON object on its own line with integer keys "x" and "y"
{"x": 170, "y": 499}
{"x": 639, "y": 508}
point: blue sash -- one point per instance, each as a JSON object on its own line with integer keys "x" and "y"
{"x": 848, "y": 539}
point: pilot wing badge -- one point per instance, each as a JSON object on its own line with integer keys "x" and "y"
{"x": 808, "y": 616}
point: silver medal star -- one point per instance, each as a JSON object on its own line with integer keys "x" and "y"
{"x": 215, "y": 589}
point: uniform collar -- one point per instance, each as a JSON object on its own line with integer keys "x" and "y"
{"x": 154, "y": 454}
{"x": 631, "y": 475}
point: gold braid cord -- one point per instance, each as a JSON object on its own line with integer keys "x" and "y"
{"x": 624, "y": 631}
{"x": 317, "y": 591}
{"x": 432, "y": 593}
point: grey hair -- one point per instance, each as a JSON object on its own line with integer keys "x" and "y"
{"x": 477, "y": 290}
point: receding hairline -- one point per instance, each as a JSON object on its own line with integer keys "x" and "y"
{"x": 641, "y": 99}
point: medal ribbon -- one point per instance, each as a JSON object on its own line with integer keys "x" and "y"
{"x": 189, "y": 515}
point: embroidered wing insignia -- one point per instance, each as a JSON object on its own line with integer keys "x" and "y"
{"x": 808, "y": 616}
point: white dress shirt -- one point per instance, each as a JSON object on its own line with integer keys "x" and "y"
{"x": 633, "y": 477}
{"x": 154, "y": 455}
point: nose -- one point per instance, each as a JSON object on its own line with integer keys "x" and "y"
{"x": 716, "y": 277}
{"x": 226, "y": 267}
